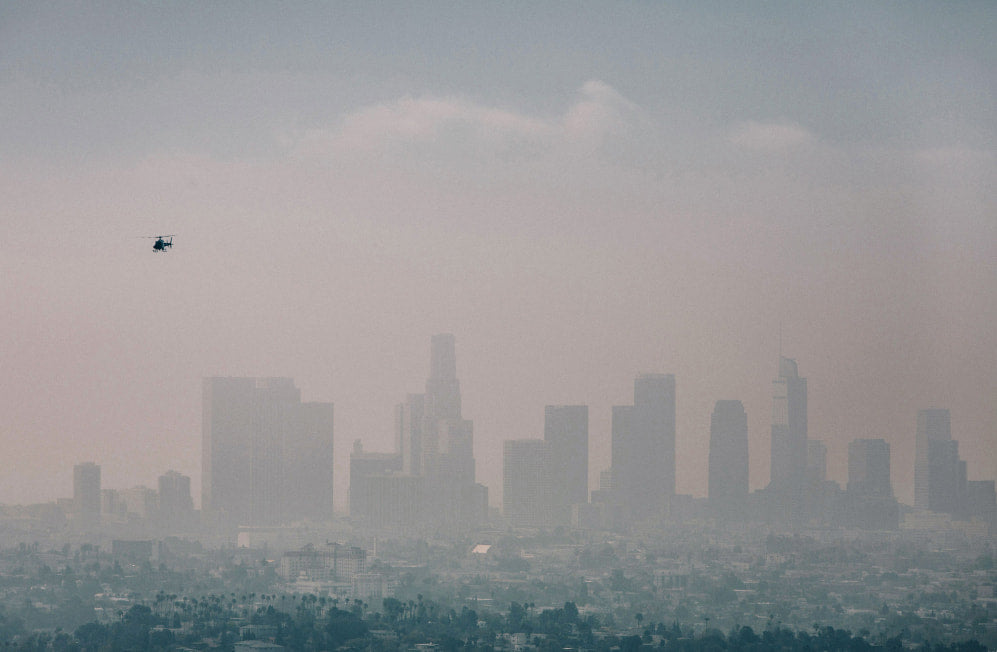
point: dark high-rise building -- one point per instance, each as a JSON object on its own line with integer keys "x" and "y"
{"x": 243, "y": 429}
{"x": 366, "y": 490}
{"x": 447, "y": 438}
{"x": 408, "y": 432}
{"x": 869, "y": 467}
{"x": 261, "y": 448}
{"x": 789, "y": 429}
{"x": 566, "y": 431}
{"x": 430, "y": 486}
{"x": 308, "y": 462}
{"x": 728, "y": 469}
{"x": 176, "y": 506}
{"x": 139, "y": 501}
{"x": 933, "y": 425}
{"x": 442, "y": 386}
{"x": 390, "y": 501}
{"x": 816, "y": 462}
{"x": 526, "y": 482}
{"x": 981, "y": 502}
{"x": 86, "y": 493}
{"x": 643, "y": 447}
{"x": 939, "y": 474}
{"x": 456, "y": 501}
{"x": 868, "y": 502}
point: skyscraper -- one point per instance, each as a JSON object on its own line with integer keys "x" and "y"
{"x": 442, "y": 386}
{"x": 526, "y": 482}
{"x": 869, "y": 467}
{"x": 933, "y": 425}
{"x": 86, "y": 493}
{"x": 430, "y": 486}
{"x": 566, "y": 431}
{"x": 176, "y": 506}
{"x": 868, "y": 502}
{"x": 368, "y": 471}
{"x": 308, "y": 462}
{"x": 939, "y": 474}
{"x": 408, "y": 432}
{"x": 728, "y": 469}
{"x": 643, "y": 447}
{"x": 140, "y": 501}
{"x": 448, "y": 445}
{"x": 981, "y": 502}
{"x": 789, "y": 429}
{"x": 816, "y": 462}
{"x": 447, "y": 438}
{"x": 260, "y": 447}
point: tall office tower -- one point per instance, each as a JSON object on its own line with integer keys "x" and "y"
{"x": 110, "y": 503}
{"x": 86, "y": 493}
{"x": 176, "y": 506}
{"x": 408, "y": 432}
{"x": 308, "y": 464}
{"x": 789, "y": 429}
{"x": 933, "y": 425}
{"x": 981, "y": 501}
{"x": 256, "y": 434}
{"x": 447, "y": 438}
{"x": 244, "y": 424}
{"x": 442, "y": 386}
{"x": 869, "y": 503}
{"x": 939, "y": 474}
{"x": 816, "y": 462}
{"x": 526, "y": 482}
{"x": 139, "y": 501}
{"x": 364, "y": 466}
{"x": 643, "y": 447}
{"x": 606, "y": 491}
{"x": 566, "y": 431}
{"x": 448, "y": 445}
{"x": 427, "y": 485}
{"x": 728, "y": 471}
{"x": 947, "y": 478}
{"x": 869, "y": 467}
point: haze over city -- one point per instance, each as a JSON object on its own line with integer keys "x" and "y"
{"x": 580, "y": 193}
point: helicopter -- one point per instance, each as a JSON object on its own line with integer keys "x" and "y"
{"x": 161, "y": 243}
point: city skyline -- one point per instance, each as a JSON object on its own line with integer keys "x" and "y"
{"x": 565, "y": 430}
{"x": 581, "y": 194}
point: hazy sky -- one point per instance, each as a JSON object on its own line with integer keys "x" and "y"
{"x": 579, "y": 191}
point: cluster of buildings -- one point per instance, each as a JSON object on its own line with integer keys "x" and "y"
{"x": 545, "y": 481}
{"x": 171, "y": 507}
{"x": 640, "y": 485}
{"x": 545, "y": 478}
{"x": 427, "y": 485}
{"x": 266, "y": 456}
{"x": 267, "y": 461}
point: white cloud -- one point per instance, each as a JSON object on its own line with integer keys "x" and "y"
{"x": 599, "y": 115}
{"x": 424, "y": 119}
{"x": 773, "y": 137}
{"x": 602, "y": 112}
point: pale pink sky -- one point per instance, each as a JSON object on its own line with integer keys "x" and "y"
{"x": 579, "y": 196}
